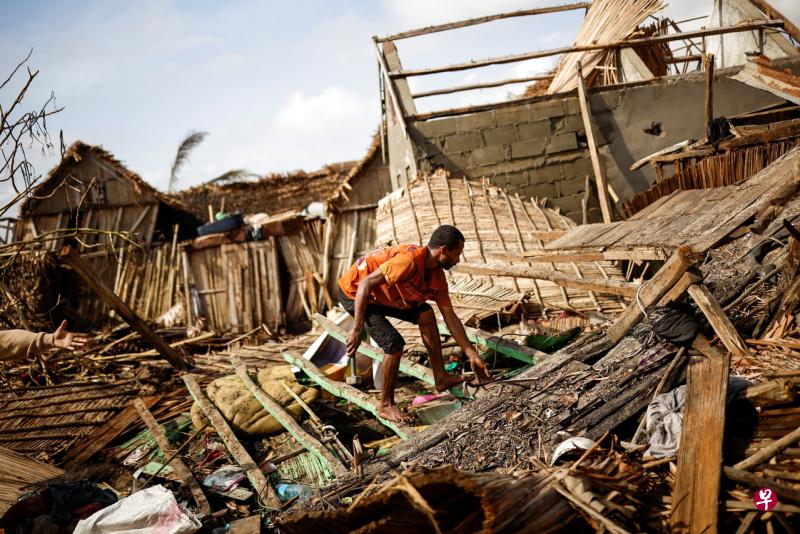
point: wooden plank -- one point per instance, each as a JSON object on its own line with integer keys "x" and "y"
{"x": 708, "y": 67}
{"x": 626, "y": 43}
{"x": 406, "y": 366}
{"x": 613, "y": 287}
{"x": 70, "y": 256}
{"x": 248, "y": 525}
{"x": 180, "y": 469}
{"x": 482, "y": 20}
{"x": 588, "y": 125}
{"x": 263, "y": 490}
{"x": 305, "y": 439}
{"x": 695, "y": 495}
{"x": 652, "y": 291}
{"x": 677, "y": 291}
{"x": 500, "y": 344}
{"x": 345, "y": 391}
{"x": 104, "y": 434}
{"x": 719, "y": 321}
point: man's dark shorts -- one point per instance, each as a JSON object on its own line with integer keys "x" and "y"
{"x": 378, "y": 326}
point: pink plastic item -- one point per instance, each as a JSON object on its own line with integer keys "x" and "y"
{"x": 422, "y": 399}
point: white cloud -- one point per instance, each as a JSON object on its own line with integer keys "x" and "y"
{"x": 322, "y": 113}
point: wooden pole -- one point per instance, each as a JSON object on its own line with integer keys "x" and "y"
{"x": 287, "y": 421}
{"x": 502, "y": 345}
{"x": 708, "y": 66}
{"x": 481, "y": 20}
{"x": 345, "y": 391}
{"x": 180, "y": 469}
{"x": 766, "y": 454}
{"x": 718, "y": 320}
{"x": 771, "y": 12}
{"x": 71, "y": 257}
{"x": 599, "y": 172}
{"x": 238, "y": 453}
{"x": 474, "y": 86}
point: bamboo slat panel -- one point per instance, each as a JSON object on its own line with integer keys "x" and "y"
{"x": 50, "y": 419}
{"x": 302, "y": 254}
{"x": 493, "y": 224}
{"x": 17, "y": 472}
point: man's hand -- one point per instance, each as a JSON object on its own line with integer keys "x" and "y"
{"x": 68, "y": 340}
{"x": 477, "y": 364}
{"x": 353, "y": 341}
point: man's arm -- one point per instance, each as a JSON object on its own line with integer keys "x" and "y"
{"x": 374, "y": 280}
{"x": 457, "y": 331}
{"x": 16, "y": 344}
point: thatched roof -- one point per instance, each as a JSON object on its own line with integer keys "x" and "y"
{"x": 77, "y": 152}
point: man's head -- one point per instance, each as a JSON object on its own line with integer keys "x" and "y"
{"x": 445, "y": 245}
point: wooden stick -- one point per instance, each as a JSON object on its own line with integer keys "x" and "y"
{"x": 626, "y": 43}
{"x": 70, "y": 256}
{"x": 176, "y": 463}
{"x": 238, "y": 453}
{"x": 599, "y": 172}
{"x": 287, "y": 421}
{"x": 719, "y": 321}
{"x": 767, "y": 453}
{"x": 773, "y": 13}
{"x": 481, "y": 20}
{"x": 708, "y": 67}
{"x": 345, "y": 391}
{"x": 474, "y": 86}
{"x": 612, "y": 287}
{"x": 786, "y": 493}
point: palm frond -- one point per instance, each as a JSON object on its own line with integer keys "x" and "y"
{"x": 232, "y": 176}
{"x": 184, "y": 149}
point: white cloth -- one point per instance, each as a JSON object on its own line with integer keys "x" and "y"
{"x": 149, "y": 511}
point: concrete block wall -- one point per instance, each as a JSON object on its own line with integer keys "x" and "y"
{"x": 534, "y": 149}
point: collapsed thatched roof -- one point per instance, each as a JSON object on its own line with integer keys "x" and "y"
{"x": 77, "y": 152}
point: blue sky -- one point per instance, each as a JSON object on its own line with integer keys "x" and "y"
{"x": 278, "y": 85}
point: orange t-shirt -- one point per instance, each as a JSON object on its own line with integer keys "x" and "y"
{"x": 406, "y": 285}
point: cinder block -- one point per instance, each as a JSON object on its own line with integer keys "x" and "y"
{"x": 570, "y": 123}
{"x": 488, "y": 155}
{"x": 605, "y": 101}
{"x": 549, "y": 190}
{"x": 578, "y": 168}
{"x": 562, "y": 143}
{"x": 571, "y": 187}
{"x": 534, "y": 130}
{"x": 548, "y": 109}
{"x": 438, "y": 127}
{"x": 500, "y": 136}
{"x": 516, "y": 180}
{"x": 462, "y": 141}
{"x": 475, "y": 121}
{"x": 567, "y": 204}
{"x": 572, "y": 106}
{"x": 458, "y": 160}
{"x": 527, "y": 149}
{"x": 514, "y": 115}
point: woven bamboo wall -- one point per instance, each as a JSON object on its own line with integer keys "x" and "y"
{"x": 495, "y": 225}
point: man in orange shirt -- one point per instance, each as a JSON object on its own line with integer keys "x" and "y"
{"x": 396, "y": 282}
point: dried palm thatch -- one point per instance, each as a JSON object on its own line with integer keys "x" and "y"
{"x": 606, "y": 21}
{"x": 17, "y": 473}
{"x": 496, "y": 225}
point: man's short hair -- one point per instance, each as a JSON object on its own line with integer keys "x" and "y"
{"x": 446, "y": 236}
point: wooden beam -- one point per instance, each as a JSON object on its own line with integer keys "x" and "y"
{"x": 785, "y": 493}
{"x": 71, "y": 257}
{"x": 238, "y": 453}
{"x": 612, "y": 287}
{"x": 719, "y": 321}
{"x": 653, "y": 290}
{"x": 287, "y": 421}
{"x": 663, "y": 152}
{"x": 695, "y": 495}
{"x": 180, "y": 469}
{"x": 345, "y": 391}
{"x": 768, "y": 452}
{"x": 84, "y": 449}
{"x": 486, "y": 85}
{"x": 481, "y": 20}
{"x": 556, "y": 255}
{"x": 679, "y": 288}
{"x": 406, "y": 366}
{"x": 771, "y": 12}
{"x": 502, "y": 345}
{"x": 599, "y": 172}
{"x": 629, "y": 43}
{"x": 389, "y": 86}
{"x": 708, "y": 67}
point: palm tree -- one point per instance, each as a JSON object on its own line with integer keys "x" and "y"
{"x": 187, "y": 145}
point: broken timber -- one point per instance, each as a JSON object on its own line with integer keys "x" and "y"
{"x": 344, "y": 391}
{"x": 238, "y": 453}
{"x": 697, "y": 483}
{"x": 612, "y": 287}
{"x": 407, "y": 367}
{"x": 180, "y": 469}
{"x": 73, "y": 259}
{"x": 588, "y": 126}
{"x": 498, "y": 344}
{"x": 719, "y": 321}
{"x": 287, "y": 421}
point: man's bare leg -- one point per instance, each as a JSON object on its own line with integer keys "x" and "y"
{"x": 389, "y": 410}
{"x": 433, "y": 344}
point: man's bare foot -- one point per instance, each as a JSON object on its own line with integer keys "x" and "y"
{"x": 447, "y": 381}
{"x": 393, "y": 413}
